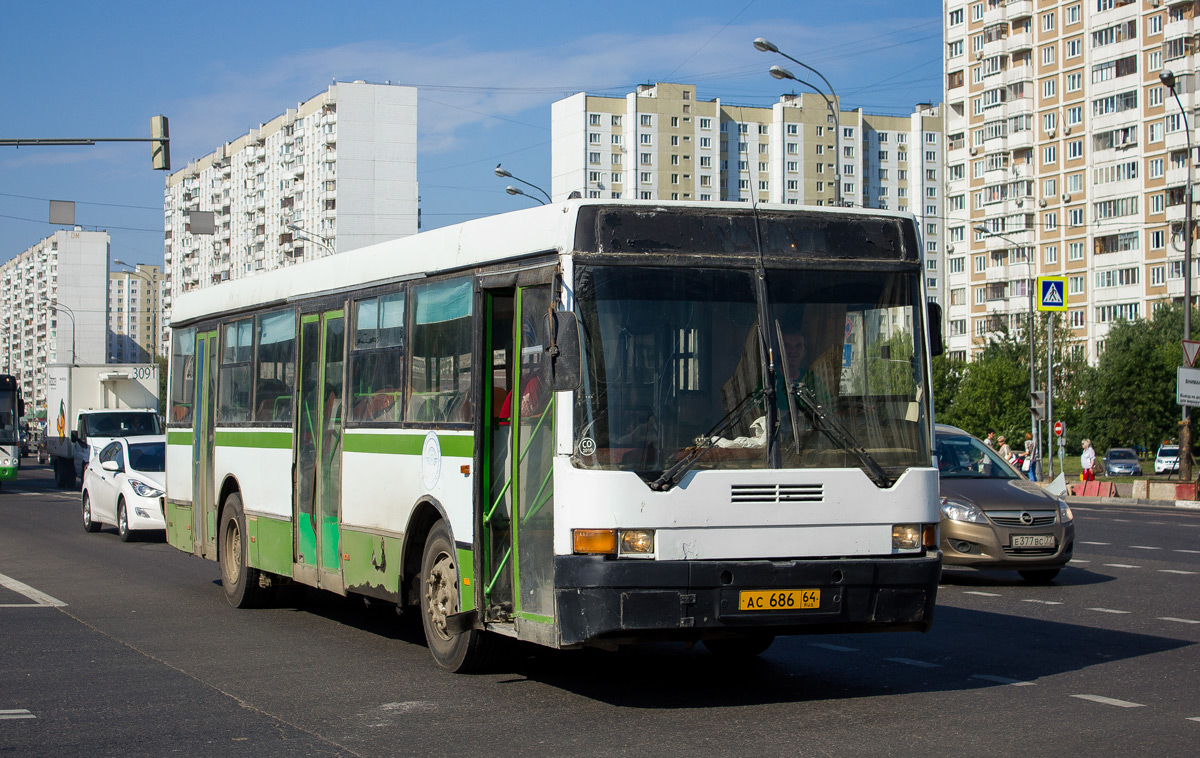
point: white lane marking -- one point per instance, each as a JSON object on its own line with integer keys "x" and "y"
{"x": 1121, "y": 566}
{"x": 1002, "y": 680}
{"x": 836, "y": 648}
{"x": 1095, "y": 543}
{"x": 1193, "y": 552}
{"x": 1041, "y": 602}
{"x": 1076, "y": 560}
{"x": 1193, "y": 718}
{"x": 36, "y": 596}
{"x": 1107, "y": 610}
{"x": 1110, "y": 701}
{"x": 16, "y": 713}
{"x": 1144, "y": 547}
{"x": 918, "y": 664}
{"x": 981, "y": 594}
{"x": 1175, "y": 571}
{"x": 1120, "y": 520}
{"x": 1181, "y": 621}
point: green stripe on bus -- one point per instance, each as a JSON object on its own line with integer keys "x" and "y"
{"x": 261, "y": 439}
{"x": 459, "y": 446}
{"x": 179, "y": 438}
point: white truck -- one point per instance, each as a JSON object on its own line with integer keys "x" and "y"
{"x": 87, "y": 406}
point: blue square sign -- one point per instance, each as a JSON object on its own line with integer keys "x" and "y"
{"x": 1052, "y": 293}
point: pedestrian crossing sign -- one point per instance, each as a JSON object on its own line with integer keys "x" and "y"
{"x": 1052, "y": 293}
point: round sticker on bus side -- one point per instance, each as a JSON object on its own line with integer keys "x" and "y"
{"x": 431, "y": 461}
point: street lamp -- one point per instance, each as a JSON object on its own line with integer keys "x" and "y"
{"x": 1167, "y": 77}
{"x": 301, "y": 233}
{"x": 1037, "y": 436}
{"x": 501, "y": 172}
{"x": 153, "y": 307}
{"x": 518, "y": 191}
{"x": 59, "y": 306}
{"x": 764, "y": 45}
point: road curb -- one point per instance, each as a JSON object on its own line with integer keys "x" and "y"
{"x": 1079, "y": 500}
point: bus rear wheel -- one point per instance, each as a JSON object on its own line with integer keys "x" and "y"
{"x": 440, "y": 592}
{"x": 241, "y": 582}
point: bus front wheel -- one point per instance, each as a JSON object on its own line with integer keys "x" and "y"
{"x": 440, "y": 591}
{"x": 241, "y": 582}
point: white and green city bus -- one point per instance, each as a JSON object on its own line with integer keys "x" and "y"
{"x": 588, "y": 423}
{"x": 12, "y": 408}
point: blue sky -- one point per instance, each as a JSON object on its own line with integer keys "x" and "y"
{"x": 487, "y": 74}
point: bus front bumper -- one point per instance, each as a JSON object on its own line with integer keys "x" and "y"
{"x": 600, "y": 600}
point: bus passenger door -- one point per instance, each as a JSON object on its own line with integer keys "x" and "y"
{"x": 318, "y": 461}
{"x": 204, "y": 531}
{"x": 518, "y": 556}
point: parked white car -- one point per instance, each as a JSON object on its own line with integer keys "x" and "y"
{"x": 1167, "y": 459}
{"x": 123, "y": 486}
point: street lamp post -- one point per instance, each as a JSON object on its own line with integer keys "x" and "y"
{"x": 502, "y": 172}
{"x": 153, "y": 308}
{"x": 300, "y": 233}
{"x": 766, "y": 46}
{"x": 60, "y": 307}
{"x": 1167, "y": 77}
{"x": 1033, "y": 420}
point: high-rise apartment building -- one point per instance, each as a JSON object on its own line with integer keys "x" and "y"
{"x": 53, "y": 308}
{"x": 337, "y": 172}
{"x": 1068, "y": 151}
{"x": 135, "y": 332}
{"x": 662, "y": 142}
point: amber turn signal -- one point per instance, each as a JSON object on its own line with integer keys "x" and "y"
{"x": 595, "y": 541}
{"x": 929, "y": 535}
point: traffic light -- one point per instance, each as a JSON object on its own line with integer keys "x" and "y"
{"x": 160, "y": 155}
{"x": 1037, "y": 405}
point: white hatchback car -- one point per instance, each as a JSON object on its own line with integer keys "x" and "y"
{"x": 123, "y": 485}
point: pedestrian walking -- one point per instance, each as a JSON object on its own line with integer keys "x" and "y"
{"x": 1005, "y": 451}
{"x": 1030, "y": 464}
{"x": 1086, "y": 462}
{"x": 990, "y": 440}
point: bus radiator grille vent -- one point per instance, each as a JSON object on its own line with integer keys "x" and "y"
{"x": 777, "y": 493}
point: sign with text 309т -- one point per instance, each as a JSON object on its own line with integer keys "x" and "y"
{"x": 1187, "y": 389}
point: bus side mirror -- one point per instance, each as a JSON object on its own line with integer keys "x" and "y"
{"x": 563, "y": 351}
{"x": 20, "y": 407}
{"x": 934, "y": 314}
{"x": 74, "y": 436}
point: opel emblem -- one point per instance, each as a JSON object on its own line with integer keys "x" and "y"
{"x": 1026, "y": 518}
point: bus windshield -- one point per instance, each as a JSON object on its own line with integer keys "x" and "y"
{"x": 8, "y": 417}
{"x": 671, "y": 353}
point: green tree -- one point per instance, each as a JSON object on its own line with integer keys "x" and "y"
{"x": 1132, "y": 400}
{"x": 944, "y": 379}
{"x": 992, "y": 391}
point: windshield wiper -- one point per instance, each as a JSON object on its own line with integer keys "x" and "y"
{"x": 671, "y": 476}
{"x": 835, "y": 431}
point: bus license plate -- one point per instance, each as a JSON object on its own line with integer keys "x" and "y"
{"x": 778, "y": 600}
{"x": 1033, "y": 540}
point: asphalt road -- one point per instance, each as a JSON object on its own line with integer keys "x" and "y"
{"x": 144, "y": 657}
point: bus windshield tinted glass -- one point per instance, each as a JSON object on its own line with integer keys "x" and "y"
{"x": 855, "y": 341}
{"x": 8, "y": 417}
{"x": 669, "y": 352}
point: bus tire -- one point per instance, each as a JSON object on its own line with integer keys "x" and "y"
{"x": 439, "y": 591}
{"x": 89, "y": 524}
{"x": 240, "y": 581}
{"x": 745, "y": 646}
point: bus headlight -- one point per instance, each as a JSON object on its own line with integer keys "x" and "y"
{"x": 625, "y": 543}
{"x": 906, "y": 536}
{"x": 637, "y": 542}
